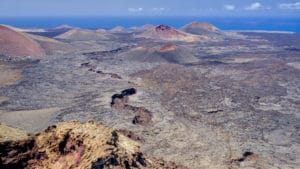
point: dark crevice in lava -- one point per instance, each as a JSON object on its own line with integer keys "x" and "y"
{"x": 119, "y": 101}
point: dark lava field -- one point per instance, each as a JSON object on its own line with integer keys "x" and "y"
{"x": 197, "y": 96}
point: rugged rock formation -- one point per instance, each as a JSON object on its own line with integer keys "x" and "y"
{"x": 8, "y": 133}
{"x": 120, "y": 100}
{"x": 76, "y": 145}
{"x": 142, "y": 117}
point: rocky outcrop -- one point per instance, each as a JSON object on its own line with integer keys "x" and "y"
{"x": 9, "y": 133}
{"x": 120, "y": 101}
{"x": 77, "y": 145}
{"x": 142, "y": 117}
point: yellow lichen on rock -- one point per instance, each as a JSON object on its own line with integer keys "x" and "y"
{"x": 8, "y": 133}
{"x": 76, "y": 145}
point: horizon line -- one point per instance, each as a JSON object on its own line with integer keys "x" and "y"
{"x": 162, "y": 16}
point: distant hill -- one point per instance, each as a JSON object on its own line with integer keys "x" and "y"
{"x": 143, "y": 28}
{"x": 117, "y": 29}
{"x": 164, "y": 32}
{"x": 14, "y": 43}
{"x": 200, "y": 28}
{"x": 78, "y": 34}
{"x": 63, "y": 27}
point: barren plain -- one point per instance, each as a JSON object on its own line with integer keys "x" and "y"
{"x": 204, "y": 98}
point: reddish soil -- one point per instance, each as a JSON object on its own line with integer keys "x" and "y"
{"x": 18, "y": 44}
{"x": 168, "y": 32}
{"x": 167, "y": 48}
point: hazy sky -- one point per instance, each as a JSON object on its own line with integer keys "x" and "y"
{"x": 150, "y": 7}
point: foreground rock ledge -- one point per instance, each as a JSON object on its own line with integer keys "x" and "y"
{"x": 77, "y": 145}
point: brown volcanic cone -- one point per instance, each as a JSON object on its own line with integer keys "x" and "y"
{"x": 168, "y": 32}
{"x": 200, "y": 28}
{"x": 164, "y": 53}
{"x": 164, "y": 32}
{"x": 14, "y": 43}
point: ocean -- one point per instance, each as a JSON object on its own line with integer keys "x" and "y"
{"x": 224, "y": 23}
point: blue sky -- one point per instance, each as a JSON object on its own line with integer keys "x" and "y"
{"x": 150, "y": 8}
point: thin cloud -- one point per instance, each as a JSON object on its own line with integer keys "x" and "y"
{"x": 295, "y": 5}
{"x": 254, "y": 6}
{"x": 135, "y": 9}
{"x": 158, "y": 9}
{"x": 229, "y": 7}
{"x": 268, "y": 8}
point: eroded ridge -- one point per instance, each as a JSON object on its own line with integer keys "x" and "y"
{"x": 77, "y": 145}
